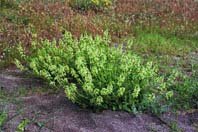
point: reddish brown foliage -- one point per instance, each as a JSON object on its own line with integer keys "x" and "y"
{"x": 183, "y": 8}
{"x": 39, "y": 20}
{"x": 176, "y": 16}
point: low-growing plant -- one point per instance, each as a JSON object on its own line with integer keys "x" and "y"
{"x": 8, "y": 3}
{"x": 90, "y": 4}
{"x": 97, "y": 76}
{"x": 22, "y": 125}
{"x": 157, "y": 43}
{"x": 186, "y": 93}
{"x": 3, "y": 117}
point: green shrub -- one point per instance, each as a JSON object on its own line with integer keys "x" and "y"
{"x": 3, "y": 117}
{"x": 90, "y": 4}
{"x": 97, "y": 76}
{"x": 185, "y": 92}
{"x": 21, "y": 127}
{"x": 8, "y": 3}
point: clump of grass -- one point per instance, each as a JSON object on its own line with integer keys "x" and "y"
{"x": 90, "y": 4}
{"x": 154, "y": 43}
{"x": 186, "y": 91}
{"x": 21, "y": 127}
{"x": 3, "y": 117}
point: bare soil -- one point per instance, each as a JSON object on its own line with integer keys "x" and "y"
{"x": 52, "y": 112}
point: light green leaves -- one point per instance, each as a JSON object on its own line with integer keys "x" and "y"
{"x": 3, "y": 117}
{"x": 90, "y": 4}
{"x": 96, "y": 75}
{"x": 22, "y": 125}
